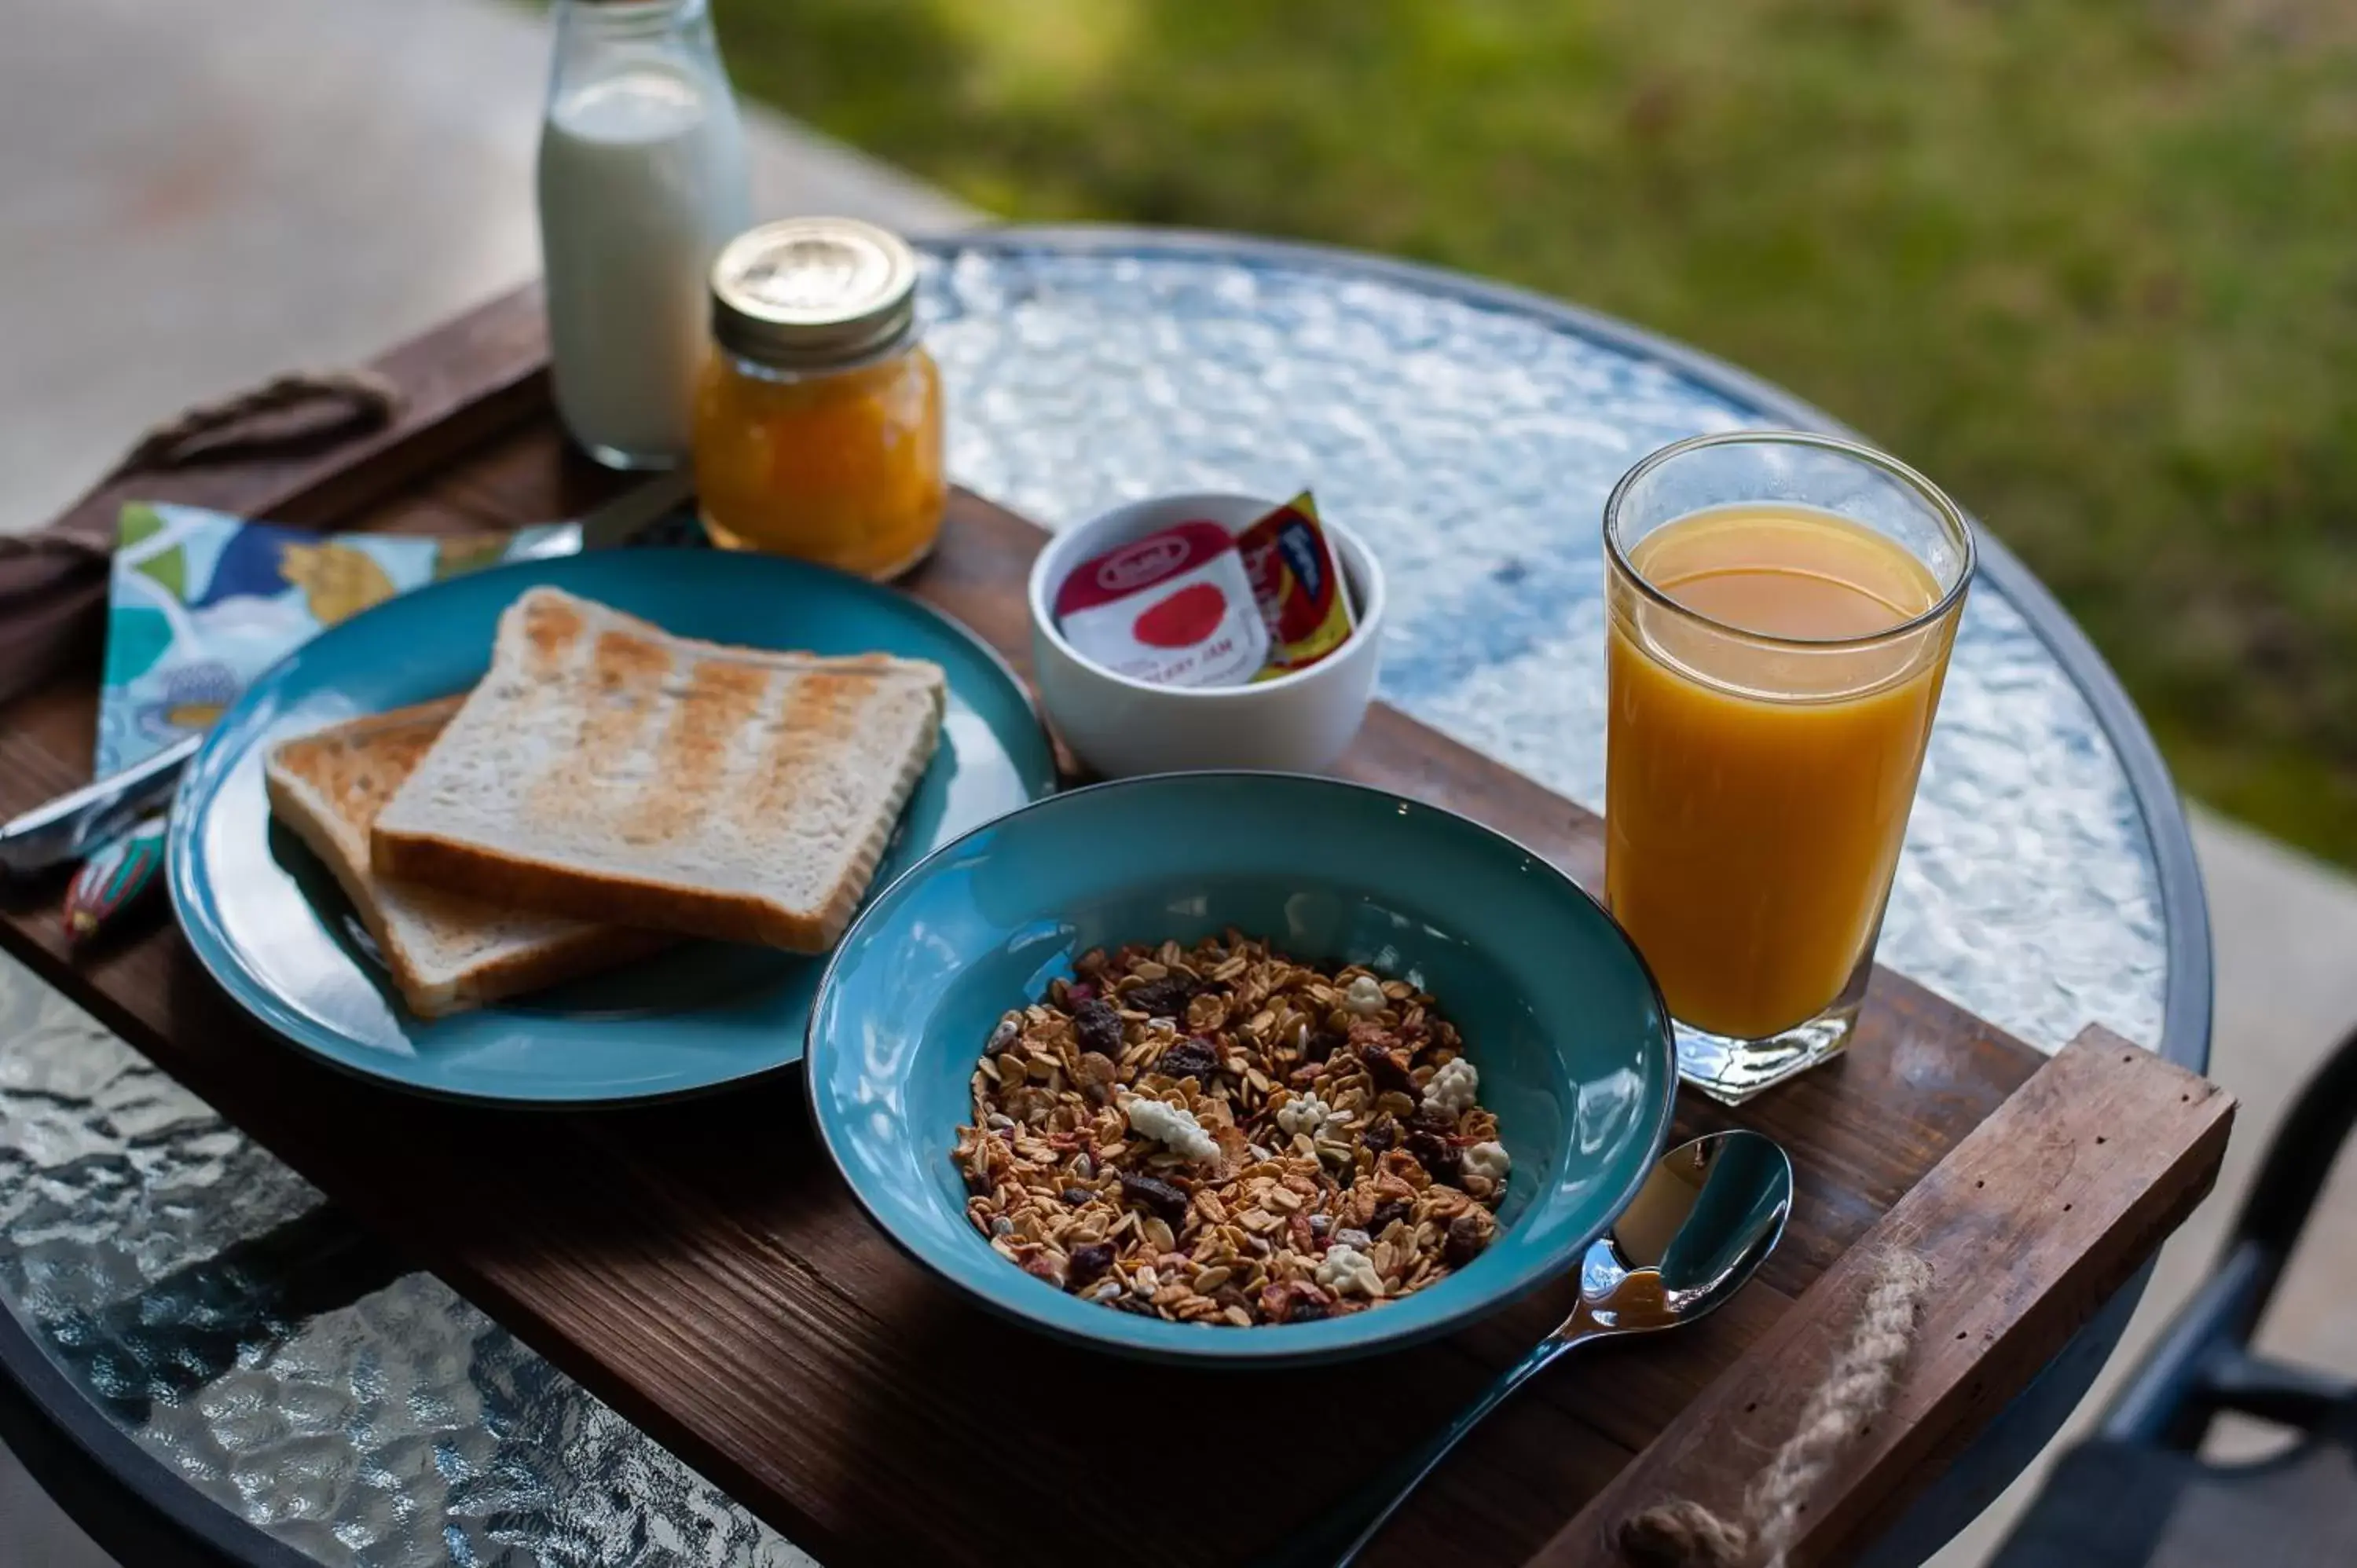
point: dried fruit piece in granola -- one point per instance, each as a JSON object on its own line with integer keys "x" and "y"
{"x": 1190, "y": 1058}
{"x": 1096, "y": 1022}
{"x": 1164, "y": 998}
{"x": 1386, "y": 1059}
{"x": 1469, "y": 1233}
{"x": 1294, "y": 1301}
{"x": 1436, "y": 1153}
{"x": 1089, "y": 1263}
{"x": 1154, "y": 1196}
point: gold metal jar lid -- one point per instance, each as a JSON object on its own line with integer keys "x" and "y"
{"x": 814, "y": 294}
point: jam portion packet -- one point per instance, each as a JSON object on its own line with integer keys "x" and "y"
{"x": 1297, "y": 580}
{"x": 1173, "y": 608}
{"x": 1195, "y": 606}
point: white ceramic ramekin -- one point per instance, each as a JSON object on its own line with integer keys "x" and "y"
{"x": 1120, "y": 727}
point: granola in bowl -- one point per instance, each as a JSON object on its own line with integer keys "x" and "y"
{"x": 1221, "y": 1135}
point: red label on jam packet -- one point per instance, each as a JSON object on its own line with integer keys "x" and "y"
{"x": 1297, "y": 583}
{"x": 1174, "y": 607}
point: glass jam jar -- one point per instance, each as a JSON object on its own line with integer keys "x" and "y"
{"x": 818, "y": 417}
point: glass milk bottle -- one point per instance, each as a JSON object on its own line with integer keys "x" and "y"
{"x": 643, "y": 179}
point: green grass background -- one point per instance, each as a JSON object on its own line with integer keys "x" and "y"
{"x": 2090, "y": 263}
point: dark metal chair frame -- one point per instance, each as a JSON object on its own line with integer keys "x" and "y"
{"x": 2203, "y": 1365}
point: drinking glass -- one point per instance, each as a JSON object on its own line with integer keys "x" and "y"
{"x": 1757, "y": 786}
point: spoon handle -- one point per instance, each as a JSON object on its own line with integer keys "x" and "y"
{"x": 1381, "y": 1498}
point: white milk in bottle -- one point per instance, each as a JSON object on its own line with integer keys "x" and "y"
{"x": 643, "y": 179}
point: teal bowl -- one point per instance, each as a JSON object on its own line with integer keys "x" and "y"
{"x": 1557, "y": 1009}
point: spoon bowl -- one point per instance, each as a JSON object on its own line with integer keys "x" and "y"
{"x": 1708, "y": 1215}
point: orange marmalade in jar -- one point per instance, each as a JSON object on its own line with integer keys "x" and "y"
{"x": 818, "y": 418}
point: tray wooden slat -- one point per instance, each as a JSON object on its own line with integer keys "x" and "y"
{"x": 699, "y": 1267}
{"x": 2039, "y": 1214}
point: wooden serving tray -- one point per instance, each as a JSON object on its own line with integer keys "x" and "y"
{"x": 700, "y": 1267}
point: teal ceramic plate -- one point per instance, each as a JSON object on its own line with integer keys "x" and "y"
{"x": 268, "y": 921}
{"x": 1557, "y": 1011}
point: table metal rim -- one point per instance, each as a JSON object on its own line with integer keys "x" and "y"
{"x": 2187, "y": 992}
{"x": 72, "y": 1413}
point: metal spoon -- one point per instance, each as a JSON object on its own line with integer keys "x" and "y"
{"x": 1705, "y": 1221}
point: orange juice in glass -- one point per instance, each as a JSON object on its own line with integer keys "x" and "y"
{"x": 1782, "y": 606}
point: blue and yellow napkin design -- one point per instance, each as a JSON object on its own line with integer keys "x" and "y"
{"x": 201, "y": 603}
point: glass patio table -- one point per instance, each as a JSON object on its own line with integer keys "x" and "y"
{"x": 258, "y": 1371}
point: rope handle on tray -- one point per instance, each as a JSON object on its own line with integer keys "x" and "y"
{"x": 369, "y": 401}
{"x": 53, "y": 580}
{"x": 361, "y": 401}
{"x": 1680, "y": 1534}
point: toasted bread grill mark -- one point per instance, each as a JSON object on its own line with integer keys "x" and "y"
{"x": 777, "y": 789}
{"x": 447, "y": 950}
{"x": 361, "y": 765}
{"x": 628, "y": 668}
{"x": 551, "y": 629}
{"x": 622, "y": 685}
{"x": 821, "y": 712}
{"x": 372, "y": 774}
{"x": 692, "y": 760}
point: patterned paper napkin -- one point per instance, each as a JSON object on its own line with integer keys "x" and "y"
{"x": 199, "y": 604}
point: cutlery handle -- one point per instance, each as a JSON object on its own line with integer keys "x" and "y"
{"x": 71, "y": 826}
{"x": 1379, "y": 1498}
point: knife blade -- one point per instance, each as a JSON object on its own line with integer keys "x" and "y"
{"x": 69, "y": 828}
{"x": 617, "y": 521}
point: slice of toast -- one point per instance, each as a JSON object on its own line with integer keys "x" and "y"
{"x": 605, "y": 769}
{"x": 447, "y": 953}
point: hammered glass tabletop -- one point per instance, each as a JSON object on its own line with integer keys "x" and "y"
{"x": 1470, "y": 442}
{"x": 282, "y": 1362}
